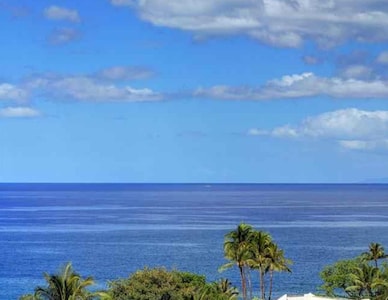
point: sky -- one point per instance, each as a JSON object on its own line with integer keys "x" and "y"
{"x": 227, "y": 91}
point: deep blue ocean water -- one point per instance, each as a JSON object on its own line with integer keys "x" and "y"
{"x": 111, "y": 230}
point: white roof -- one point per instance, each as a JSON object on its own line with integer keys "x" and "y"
{"x": 308, "y": 296}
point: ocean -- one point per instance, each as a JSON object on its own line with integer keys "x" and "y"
{"x": 110, "y": 230}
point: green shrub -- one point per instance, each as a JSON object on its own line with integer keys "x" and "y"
{"x": 157, "y": 284}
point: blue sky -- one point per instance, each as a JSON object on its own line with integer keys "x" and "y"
{"x": 194, "y": 91}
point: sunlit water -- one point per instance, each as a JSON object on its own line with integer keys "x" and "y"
{"x": 109, "y": 231}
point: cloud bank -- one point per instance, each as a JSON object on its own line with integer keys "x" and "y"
{"x": 85, "y": 88}
{"x": 350, "y": 128}
{"x": 301, "y": 86}
{"x": 284, "y": 23}
{"x": 111, "y": 84}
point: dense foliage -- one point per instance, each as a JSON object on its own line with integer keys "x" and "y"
{"x": 358, "y": 278}
{"x": 157, "y": 284}
{"x": 146, "y": 284}
{"x": 161, "y": 284}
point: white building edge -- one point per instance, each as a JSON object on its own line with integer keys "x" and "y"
{"x": 308, "y": 296}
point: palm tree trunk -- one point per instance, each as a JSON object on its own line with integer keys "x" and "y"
{"x": 262, "y": 285}
{"x": 270, "y": 284}
{"x": 249, "y": 284}
{"x": 243, "y": 283}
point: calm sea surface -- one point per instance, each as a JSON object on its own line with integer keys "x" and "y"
{"x": 109, "y": 230}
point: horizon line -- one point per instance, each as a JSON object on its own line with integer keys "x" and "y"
{"x": 202, "y": 183}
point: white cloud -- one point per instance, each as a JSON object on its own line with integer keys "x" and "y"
{"x": 62, "y": 36}
{"x": 108, "y": 85}
{"x": 285, "y": 23}
{"x": 124, "y": 73}
{"x": 12, "y": 92}
{"x": 383, "y": 58}
{"x": 256, "y": 131}
{"x": 61, "y": 13}
{"x": 300, "y": 86}
{"x": 350, "y": 128}
{"x": 357, "y": 71}
{"x": 83, "y": 88}
{"x": 285, "y": 131}
{"x": 289, "y": 80}
{"x": 19, "y": 112}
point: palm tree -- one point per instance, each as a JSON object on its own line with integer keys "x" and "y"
{"x": 382, "y": 291}
{"x": 225, "y": 288}
{"x": 261, "y": 241}
{"x": 237, "y": 249}
{"x": 67, "y": 285}
{"x": 376, "y": 252}
{"x": 366, "y": 281}
{"x": 276, "y": 263}
{"x": 221, "y": 290}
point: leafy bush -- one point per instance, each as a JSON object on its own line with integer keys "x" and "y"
{"x": 358, "y": 278}
{"x": 157, "y": 284}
